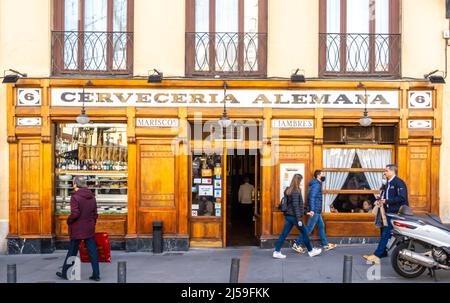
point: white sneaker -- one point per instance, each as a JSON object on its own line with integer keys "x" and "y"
{"x": 278, "y": 255}
{"x": 315, "y": 252}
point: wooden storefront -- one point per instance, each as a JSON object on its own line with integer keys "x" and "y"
{"x": 159, "y": 167}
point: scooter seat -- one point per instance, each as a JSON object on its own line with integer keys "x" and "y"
{"x": 433, "y": 220}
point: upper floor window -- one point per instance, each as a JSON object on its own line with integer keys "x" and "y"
{"x": 226, "y": 37}
{"x": 359, "y": 38}
{"x": 92, "y": 36}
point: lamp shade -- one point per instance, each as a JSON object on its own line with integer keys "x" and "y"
{"x": 224, "y": 122}
{"x": 365, "y": 120}
{"x": 83, "y": 118}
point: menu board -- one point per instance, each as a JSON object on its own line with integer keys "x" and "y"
{"x": 287, "y": 172}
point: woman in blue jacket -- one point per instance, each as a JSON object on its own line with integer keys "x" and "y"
{"x": 293, "y": 217}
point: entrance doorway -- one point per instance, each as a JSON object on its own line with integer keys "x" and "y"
{"x": 242, "y": 166}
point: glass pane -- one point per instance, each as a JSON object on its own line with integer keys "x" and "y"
{"x": 357, "y": 38}
{"x": 226, "y": 35}
{"x": 202, "y": 35}
{"x": 120, "y": 35}
{"x": 382, "y": 38}
{"x": 333, "y": 36}
{"x": 206, "y": 185}
{"x": 353, "y": 203}
{"x": 251, "y": 36}
{"x": 98, "y": 152}
{"x": 95, "y": 49}
{"x": 71, "y": 34}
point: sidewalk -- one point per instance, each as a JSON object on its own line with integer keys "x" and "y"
{"x": 213, "y": 266}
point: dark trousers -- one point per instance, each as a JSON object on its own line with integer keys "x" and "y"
{"x": 291, "y": 221}
{"x": 93, "y": 256}
{"x": 386, "y": 234}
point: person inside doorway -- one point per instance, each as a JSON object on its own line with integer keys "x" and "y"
{"x": 245, "y": 198}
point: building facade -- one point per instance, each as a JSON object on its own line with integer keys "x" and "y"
{"x": 157, "y": 149}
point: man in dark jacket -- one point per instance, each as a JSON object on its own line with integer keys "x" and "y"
{"x": 314, "y": 210}
{"x": 82, "y": 220}
{"x": 395, "y": 195}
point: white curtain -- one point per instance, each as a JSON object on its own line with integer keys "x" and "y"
{"x": 374, "y": 158}
{"x": 336, "y": 158}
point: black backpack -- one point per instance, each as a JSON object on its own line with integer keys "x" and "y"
{"x": 283, "y": 204}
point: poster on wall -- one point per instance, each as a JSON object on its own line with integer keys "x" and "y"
{"x": 217, "y": 171}
{"x": 217, "y": 205}
{"x": 206, "y": 172}
{"x": 194, "y": 213}
{"x": 218, "y": 213}
{"x": 287, "y": 172}
{"x": 206, "y": 181}
{"x": 195, "y": 206}
{"x": 217, "y": 193}
{"x": 197, "y": 181}
{"x": 205, "y": 190}
{"x": 217, "y": 184}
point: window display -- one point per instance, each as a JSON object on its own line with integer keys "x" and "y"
{"x": 206, "y": 185}
{"x": 99, "y": 153}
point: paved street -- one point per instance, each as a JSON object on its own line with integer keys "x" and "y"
{"x": 213, "y": 266}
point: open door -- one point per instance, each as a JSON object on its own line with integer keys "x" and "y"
{"x": 257, "y": 196}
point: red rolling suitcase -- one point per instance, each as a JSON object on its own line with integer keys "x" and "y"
{"x": 103, "y": 248}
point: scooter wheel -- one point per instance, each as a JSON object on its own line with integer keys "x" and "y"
{"x": 405, "y": 268}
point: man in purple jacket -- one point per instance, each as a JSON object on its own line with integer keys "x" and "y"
{"x": 82, "y": 220}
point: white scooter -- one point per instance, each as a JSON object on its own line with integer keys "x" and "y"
{"x": 419, "y": 242}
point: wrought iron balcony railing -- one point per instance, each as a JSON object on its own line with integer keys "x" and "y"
{"x": 86, "y": 52}
{"x": 234, "y": 54}
{"x": 374, "y": 55}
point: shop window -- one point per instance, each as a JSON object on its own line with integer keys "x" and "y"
{"x": 99, "y": 153}
{"x": 206, "y": 185}
{"x": 360, "y": 135}
{"x": 92, "y": 36}
{"x": 226, "y": 37}
{"x": 354, "y": 175}
{"x": 359, "y": 38}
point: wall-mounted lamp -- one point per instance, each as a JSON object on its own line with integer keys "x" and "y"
{"x": 156, "y": 77}
{"x": 365, "y": 120}
{"x": 83, "y": 118}
{"x": 12, "y": 78}
{"x": 295, "y": 77}
{"x": 433, "y": 78}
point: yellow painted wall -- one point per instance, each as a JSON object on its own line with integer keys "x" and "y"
{"x": 423, "y": 46}
{"x": 293, "y": 37}
{"x": 159, "y": 30}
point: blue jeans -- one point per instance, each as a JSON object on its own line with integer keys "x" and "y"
{"x": 93, "y": 256}
{"x": 386, "y": 234}
{"x": 291, "y": 221}
{"x": 316, "y": 219}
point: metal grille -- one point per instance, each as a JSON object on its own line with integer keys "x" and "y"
{"x": 92, "y": 52}
{"x": 232, "y": 53}
{"x": 360, "y": 54}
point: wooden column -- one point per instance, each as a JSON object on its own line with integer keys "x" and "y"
{"x": 183, "y": 173}
{"x": 46, "y": 204}
{"x": 267, "y": 162}
{"x": 132, "y": 176}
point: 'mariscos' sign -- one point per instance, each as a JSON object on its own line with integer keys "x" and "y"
{"x": 214, "y": 98}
